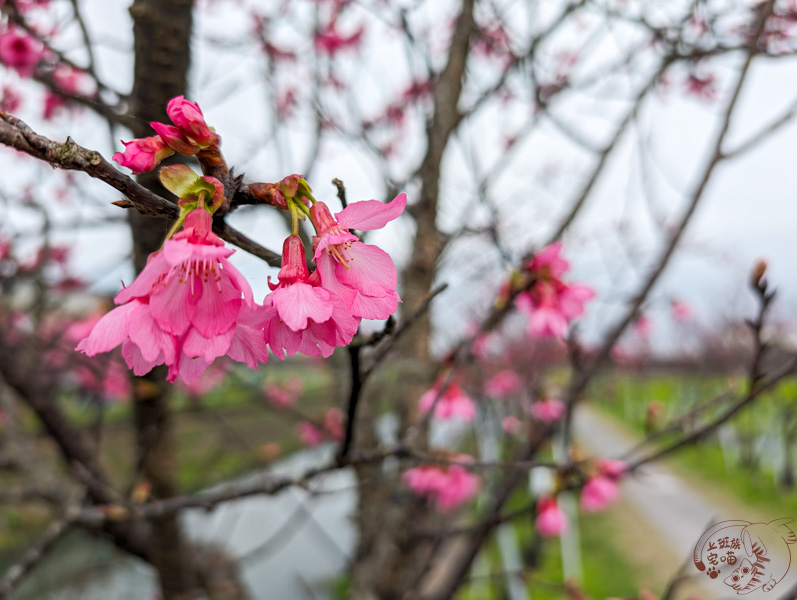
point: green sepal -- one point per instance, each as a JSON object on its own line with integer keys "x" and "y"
{"x": 184, "y": 183}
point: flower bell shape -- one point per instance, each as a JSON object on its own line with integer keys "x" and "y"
{"x": 187, "y": 307}
{"x": 302, "y": 316}
{"x": 143, "y": 154}
{"x": 363, "y": 275}
{"x": 190, "y": 283}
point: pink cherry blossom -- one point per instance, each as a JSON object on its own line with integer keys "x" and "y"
{"x": 364, "y": 276}
{"x": 453, "y": 404}
{"x": 309, "y": 434}
{"x": 551, "y": 304}
{"x": 300, "y": 315}
{"x": 598, "y": 493}
{"x": 144, "y": 154}
{"x": 549, "y": 262}
{"x": 424, "y": 479}
{"x": 447, "y": 487}
{"x": 187, "y": 307}
{"x": 548, "y": 410}
{"x": 703, "y": 87}
{"x": 503, "y": 384}
{"x": 192, "y": 284}
{"x": 511, "y": 425}
{"x": 551, "y": 520}
{"x": 20, "y": 51}
{"x": 461, "y": 486}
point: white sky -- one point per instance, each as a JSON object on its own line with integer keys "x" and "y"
{"x": 749, "y": 210}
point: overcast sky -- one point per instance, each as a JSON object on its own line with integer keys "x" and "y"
{"x": 749, "y": 210}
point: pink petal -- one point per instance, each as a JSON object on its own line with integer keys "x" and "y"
{"x": 319, "y": 339}
{"x": 238, "y": 280}
{"x": 136, "y": 361}
{"x": 196, "y": 345}
{"x": 142, "y": 285}
{"x": 110, "y": 331}
{"x": 179, "y": 251}
{"x": 151, "y": 340}
{"x": 368, "y": 307}
{"x": 332, "y": 239}
{"x": 189, "y": 369}
{"x": 173, "y": 302}
{"x": 248, "y": 346}
{"x": 217, "y": 308}
{"x": 329, "y": 279}
{"x": 299, "y": 302}
{"x": 371, "y": 214}
{"x": 282, "y": 338}
{"x": 370, "y": 270}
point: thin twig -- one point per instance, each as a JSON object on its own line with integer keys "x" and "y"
{"x": 17, "y": 572}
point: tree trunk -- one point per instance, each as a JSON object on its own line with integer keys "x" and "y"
{"x": 390, "y": 557}
{"x": 162, "y": 30}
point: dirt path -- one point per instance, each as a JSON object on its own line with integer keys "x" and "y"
{"x": 672, "y": 506}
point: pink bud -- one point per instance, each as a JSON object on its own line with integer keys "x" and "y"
{"x": 294, "y": 262}
{"x": 598, "y": 493}
{"x": 20, "y": 51}
{"x": 174, "y": 139}
{"x": 188, "y": 118}
{"x": 143, "y": 154}
{"x": 551, "y": 520}
{"x": 321, "y": 217}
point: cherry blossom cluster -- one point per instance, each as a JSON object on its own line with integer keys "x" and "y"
{"x": 189, "y": 134}
{"x": 550, "y": 303}
{"x": 599, "y": 491}
{"x": 23, "y": 53}
{"x": 190, "y": 305}
{"x": 447, "y": 487}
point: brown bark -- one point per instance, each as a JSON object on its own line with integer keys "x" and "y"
{"x": 390, "y": 560}
{"x": 162, "y": 30}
